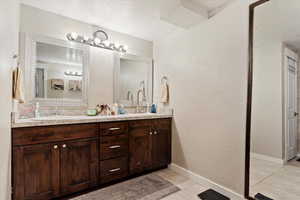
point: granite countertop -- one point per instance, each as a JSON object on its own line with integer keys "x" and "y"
{"x": 61, "y": 120}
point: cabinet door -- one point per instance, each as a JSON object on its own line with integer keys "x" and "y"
{"x": 36, "y": 172}
{"x": 161, "y": 143}
{"x": 139, "y": 146}
{"x": 79, "y": 165}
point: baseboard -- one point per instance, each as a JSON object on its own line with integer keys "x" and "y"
{"x": 267, "y": 158}
{"x": 206, "y": 182}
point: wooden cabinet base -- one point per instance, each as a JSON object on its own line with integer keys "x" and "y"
{"x": 54, "y": 161}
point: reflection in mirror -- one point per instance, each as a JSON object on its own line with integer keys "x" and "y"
{"x": 55, "y": 70}
{"x": 58, "y": 72}
{"x": 134, "y": 81}
{"x": 274, "y": 163}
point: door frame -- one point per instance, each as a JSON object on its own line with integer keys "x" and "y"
{"x": 287, "y": 52}
{"x": 249, "y": 97}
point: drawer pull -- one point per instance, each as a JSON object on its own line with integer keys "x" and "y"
{"x": 115, "y": 147}
{"x": 115, "y": 170}
{"x": 114, "y": 129}
{"x": 55, "y": 146}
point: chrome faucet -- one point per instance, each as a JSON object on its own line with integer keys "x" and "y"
{"x": 138, "y": 101}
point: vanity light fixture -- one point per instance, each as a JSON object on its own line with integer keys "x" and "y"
{"x": 69, "y": 73}
{"x": 100, "y": 39}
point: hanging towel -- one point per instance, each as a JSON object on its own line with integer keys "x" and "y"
{"x": 164, "y": 92}
{"x": 18, "y": 93}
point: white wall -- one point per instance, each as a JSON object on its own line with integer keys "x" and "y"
{"x": 9, "y": 12}
{"x": 40, "y": 22}
{"x": 267, "y": 100}
{"x": 207, "y": 70}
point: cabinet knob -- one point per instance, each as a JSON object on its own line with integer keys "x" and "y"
{"x": 55, "y": 146}
{"x": 155, "y": 132}
{"x": 64, "y": 146}
{"x": 150, "y": 133}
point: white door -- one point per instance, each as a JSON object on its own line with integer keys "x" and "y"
{"x": 292, "y": 112}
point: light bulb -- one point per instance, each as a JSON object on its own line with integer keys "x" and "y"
{"x": 117, "y": 45}
{"x": 85, "y": 38}
{"x": 97, "y": 41}
{"x": 106, "y": 43}
{"x": 74, "y": 35}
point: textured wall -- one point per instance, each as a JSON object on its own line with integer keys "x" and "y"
{"x": 9, "y": 13}
{"x": 207, "y": 70}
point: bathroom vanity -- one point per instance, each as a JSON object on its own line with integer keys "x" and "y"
{"x": 54, "y": 159}
{"x": 52, "y": 156}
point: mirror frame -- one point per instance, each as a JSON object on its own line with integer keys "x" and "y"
{"x": 28, "y": 57}
{"x": 249, "y": 97}
{"x": 150, "y": 81}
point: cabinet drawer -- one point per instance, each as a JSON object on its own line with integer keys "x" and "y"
{"x": 113, "y": 146}
{"x": 114, "y": 128}
{"x": 113, "y": 169}
{"x": 46, "y": 134}
{"x": 163, "y": 123}
{"x": 140, "y": 123}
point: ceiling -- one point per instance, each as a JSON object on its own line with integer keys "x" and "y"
{"x": 140, "y": 18}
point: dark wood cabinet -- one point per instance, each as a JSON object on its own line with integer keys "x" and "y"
{"x": 54, "y": 161}
{"x": 79, "y": 165}
{"x": 36, "y": 172}
{"x": 150, "y": 144}
{"x": 53, "y": 167}
{"x": 140, "y": 146}
{"x": 161, "y": 143}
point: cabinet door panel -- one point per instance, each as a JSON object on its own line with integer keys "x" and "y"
{"x": 140, "y": 147}
{"x": 161, "y": 143}
{"x": 36, "y": 172}
{"x": 79, "y": 165}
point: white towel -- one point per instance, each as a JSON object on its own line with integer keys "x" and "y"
{"x": 164, "y": 93}
{"x": 18, "y": 92}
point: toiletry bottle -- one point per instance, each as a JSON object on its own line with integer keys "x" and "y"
{"x": 114, "y": 109}
{"x": 153, "y": 108}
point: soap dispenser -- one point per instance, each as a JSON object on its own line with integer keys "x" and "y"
{"x": 37, "y": 108}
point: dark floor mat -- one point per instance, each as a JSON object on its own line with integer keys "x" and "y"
{"x": 212, "y": 195}
{"x": 261, "y": 197}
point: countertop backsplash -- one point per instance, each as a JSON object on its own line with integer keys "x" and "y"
{"x": 27, "y": 110}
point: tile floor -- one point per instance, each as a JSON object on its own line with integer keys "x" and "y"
{"x": 280, "y": 182}
{"x": 189, "y": 188}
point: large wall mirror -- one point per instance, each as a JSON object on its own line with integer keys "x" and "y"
{"x": 55, "y": 70}
{"x": 133, "y": 80}
{"x": 273, "y": 136}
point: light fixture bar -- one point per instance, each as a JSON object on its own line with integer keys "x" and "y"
{"x": 103, "y": 43}
{"x": 69, "y": 73}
